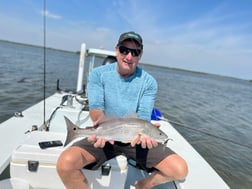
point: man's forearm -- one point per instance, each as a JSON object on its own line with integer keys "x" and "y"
{"x": 96, "y": 115}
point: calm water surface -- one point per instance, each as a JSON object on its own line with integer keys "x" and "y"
{"x": 213, "y": 112}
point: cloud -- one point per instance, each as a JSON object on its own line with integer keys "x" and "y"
{"x": 50, "y": 15}
{"x": 214, "y": 39}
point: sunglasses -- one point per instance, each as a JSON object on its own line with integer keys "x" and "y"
{"x": 125, "y": 50}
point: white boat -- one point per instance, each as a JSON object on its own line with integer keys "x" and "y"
{"x": 35, "y": 168}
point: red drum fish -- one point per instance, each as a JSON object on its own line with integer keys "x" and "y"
{"x": 118, "y": 129}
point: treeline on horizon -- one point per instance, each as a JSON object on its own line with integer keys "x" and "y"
{"x": 159, "y": 66}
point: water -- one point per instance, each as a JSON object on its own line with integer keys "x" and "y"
{"x": 213, "y": 112}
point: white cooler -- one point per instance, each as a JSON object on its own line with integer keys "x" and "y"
{"x": 38, "y": 166}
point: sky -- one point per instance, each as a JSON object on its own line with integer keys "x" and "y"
{"x": 212, "y": 36}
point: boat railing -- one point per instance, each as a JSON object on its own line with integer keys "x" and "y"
{"x": 93, "y": 54}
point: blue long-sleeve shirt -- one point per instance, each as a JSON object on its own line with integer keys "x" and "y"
{"x": 120, "y": 96}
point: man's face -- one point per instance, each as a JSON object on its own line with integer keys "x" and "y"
{"x": 128, "y": 60}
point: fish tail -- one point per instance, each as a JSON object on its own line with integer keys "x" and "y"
{"x": 71, "y": 130}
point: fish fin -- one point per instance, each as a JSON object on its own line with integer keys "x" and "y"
{"x": 105, "y": 119}
{"x": 91, "y": 127}
{"x": 130, "y": 114}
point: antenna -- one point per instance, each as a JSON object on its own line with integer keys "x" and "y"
{"x": 45, "y": 127}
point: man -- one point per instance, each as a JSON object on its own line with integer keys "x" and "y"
{"x": 116, "y": 90}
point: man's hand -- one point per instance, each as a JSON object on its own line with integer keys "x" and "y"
{"x": 97, "y": 116}
{"x": 145, "y": 141}
{"x": 99, "y": 142}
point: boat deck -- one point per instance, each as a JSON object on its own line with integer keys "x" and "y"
{"x": 201, "y": 174}
{"x": 14, "y": 129}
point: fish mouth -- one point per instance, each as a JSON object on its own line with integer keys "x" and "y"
{"x": 166, "y": 141}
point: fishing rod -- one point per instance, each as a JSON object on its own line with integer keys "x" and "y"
{"x": 206, "y": 133}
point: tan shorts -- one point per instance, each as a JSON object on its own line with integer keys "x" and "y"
{"x": 145, "y": 159}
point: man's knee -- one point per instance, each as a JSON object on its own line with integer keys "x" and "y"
{"x": 65, "y": 162}
{"x": 174, "y": 166}
{"x": 182, "y": 170}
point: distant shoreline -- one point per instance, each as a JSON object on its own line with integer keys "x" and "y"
{"x": 159, "y": 66}
{"x": 37, "y": 46}
{"x": 196, "y": 72}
